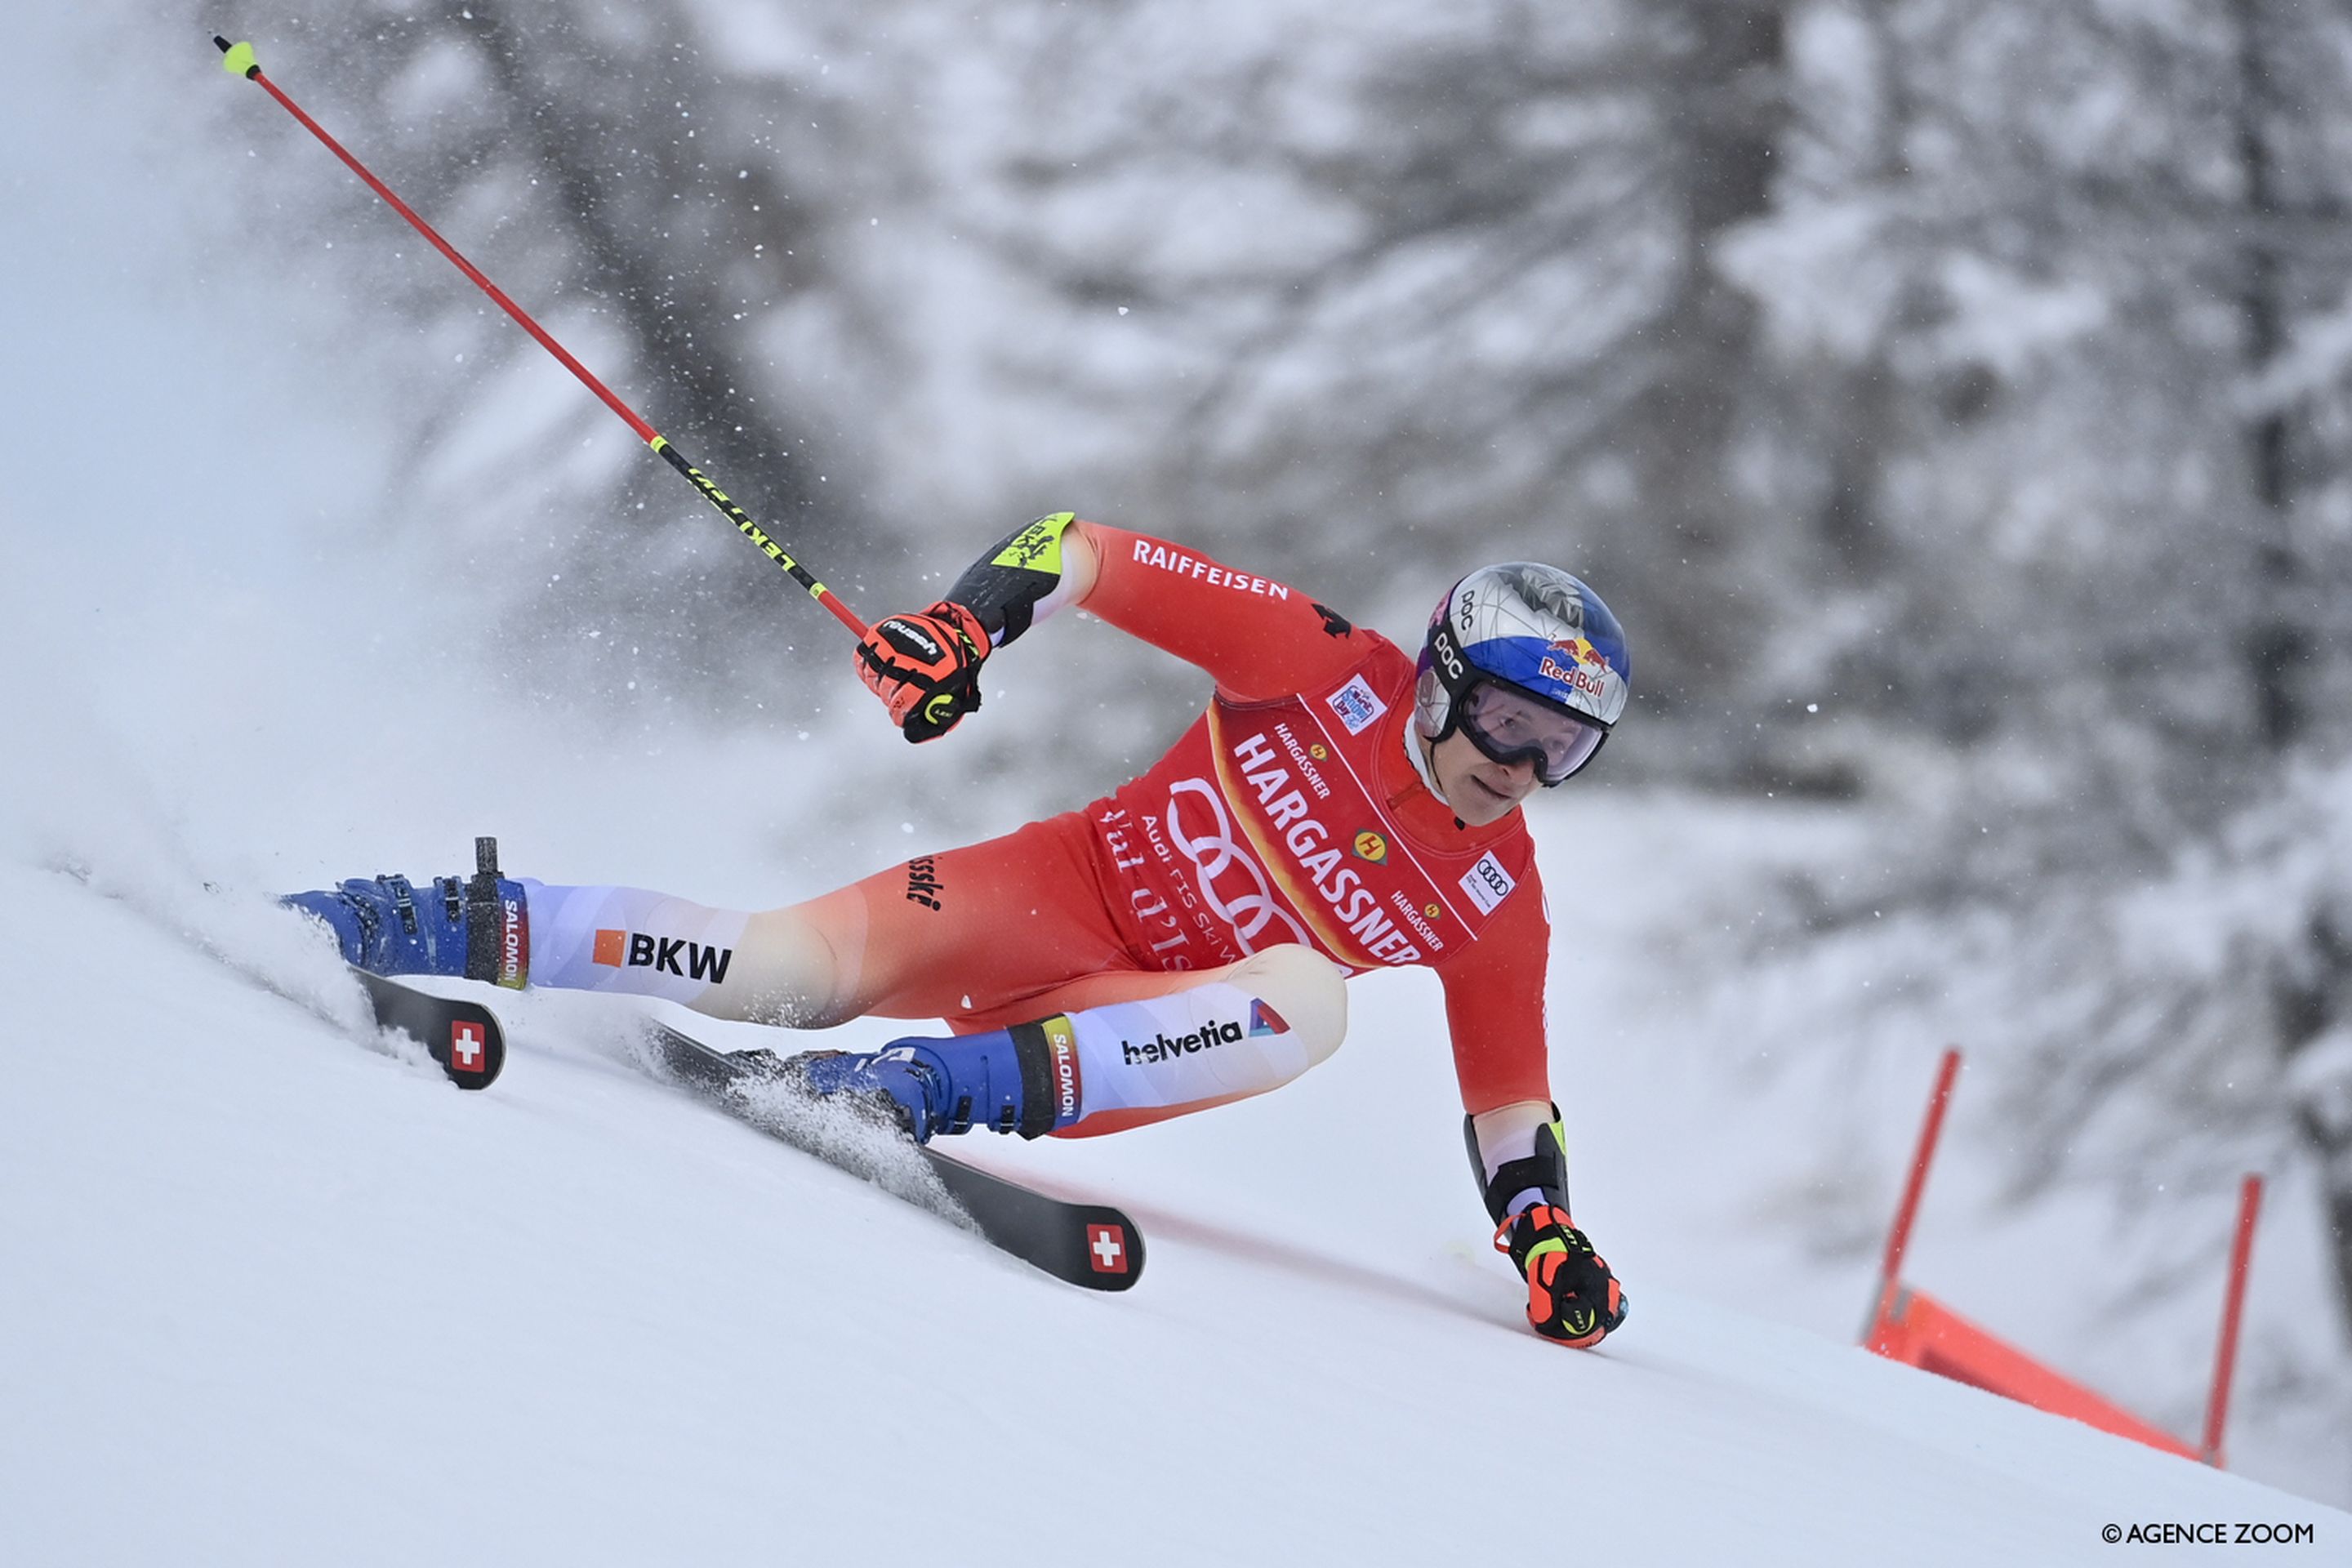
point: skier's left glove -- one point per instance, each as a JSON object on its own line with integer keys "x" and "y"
{"x": 924, "y": 668}
{"x": 1571, "y": 1295}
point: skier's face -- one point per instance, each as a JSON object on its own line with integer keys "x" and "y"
{"x": 1479, "y": 789}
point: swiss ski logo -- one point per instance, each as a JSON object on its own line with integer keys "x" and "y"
{"x": 1106, "y": 1249}
{"x": 671, "y": 956}
{"x": 467, "y": 1045}
{"x": 1356, "y": 705}
{"x": 1487, "y": 883}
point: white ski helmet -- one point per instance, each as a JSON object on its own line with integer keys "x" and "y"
{"x": 1535, "y": 630}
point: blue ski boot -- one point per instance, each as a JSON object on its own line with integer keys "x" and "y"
{"x": 1023, "y": 1079}
{"x": 472, "y": 928}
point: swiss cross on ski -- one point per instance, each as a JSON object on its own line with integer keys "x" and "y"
{"x": 1107, "y": 1244}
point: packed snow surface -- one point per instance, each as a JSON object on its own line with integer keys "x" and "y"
{"x": 277, "y": 1296}
{"x": 271, "y": 1291}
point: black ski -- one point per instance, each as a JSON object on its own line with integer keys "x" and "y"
{"x": 463, "y": 1037}
{"x": 1087, "y": 1244}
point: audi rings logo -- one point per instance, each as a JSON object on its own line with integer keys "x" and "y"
{"x": 1213, "y": 854}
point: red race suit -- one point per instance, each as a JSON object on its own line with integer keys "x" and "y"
{"x": 1292, "y": 812}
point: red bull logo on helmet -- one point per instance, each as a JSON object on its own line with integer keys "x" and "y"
{"x": 1576, "y": 664}
{"x": 1576, "y": 648}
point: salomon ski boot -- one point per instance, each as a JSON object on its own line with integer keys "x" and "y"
{"x": 477, "y": 928}
{"x": 1001, "y": 1080}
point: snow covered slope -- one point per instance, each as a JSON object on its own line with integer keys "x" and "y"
{"x": 273, "y": 1296}
{"x": 269, "y": 1296}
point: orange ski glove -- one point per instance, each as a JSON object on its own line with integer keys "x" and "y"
{"x": 1571, "y": 1295}
{"x": 924, "y": 668}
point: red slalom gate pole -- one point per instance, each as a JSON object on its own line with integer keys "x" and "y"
{"x": 239, "y": 61}
{"x": 1890, "y": 1270}
{"x": 2225, "y": 1353}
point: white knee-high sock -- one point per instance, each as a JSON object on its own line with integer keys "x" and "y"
{"x": 629, "y": 939}
{"x": 1219, "y": 1040}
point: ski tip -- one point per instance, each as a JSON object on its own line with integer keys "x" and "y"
{"x": 236, "y": 58}
{"x": 463, "y": 1037}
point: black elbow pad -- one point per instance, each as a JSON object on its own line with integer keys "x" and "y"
{"x": 1003, "y": 586}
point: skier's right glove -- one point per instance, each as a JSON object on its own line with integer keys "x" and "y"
{"x": 1571, "y": 1295}
{"x": 924, "y": 668}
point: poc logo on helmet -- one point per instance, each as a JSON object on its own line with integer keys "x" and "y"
{"x": 1442, "y": 645}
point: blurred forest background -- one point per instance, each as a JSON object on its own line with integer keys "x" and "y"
{"x": 1953, "y": 399}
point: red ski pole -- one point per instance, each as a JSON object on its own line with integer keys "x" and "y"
{"x": 240, "y": 62}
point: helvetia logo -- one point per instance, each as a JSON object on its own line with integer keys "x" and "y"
{"x": 671, "y": 956}
{"x": 1264, "y": 1020}
{"x": 1161, "y": 1049}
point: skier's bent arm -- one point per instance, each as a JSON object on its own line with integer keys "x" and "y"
{"x": 926, "y": 667}
{"x": 1257, "y": 636}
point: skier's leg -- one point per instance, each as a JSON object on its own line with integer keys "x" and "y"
{"x": 1290, "y": 1002}
{"x": 1010, "y": 939}
{"x": 932, "y": 937}
{"x": 1150, "y": 1046}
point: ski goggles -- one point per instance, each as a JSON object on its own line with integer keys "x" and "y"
{"x": 1509, "y": 726}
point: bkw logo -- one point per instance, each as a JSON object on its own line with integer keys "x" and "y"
{"x": 671, "y": 956}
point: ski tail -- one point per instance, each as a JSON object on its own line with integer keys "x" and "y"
{"x": 1091, "y": 1246}
{"x": 464, "y": 1038}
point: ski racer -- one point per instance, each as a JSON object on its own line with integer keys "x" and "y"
{"x": 1181, "y": 942}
